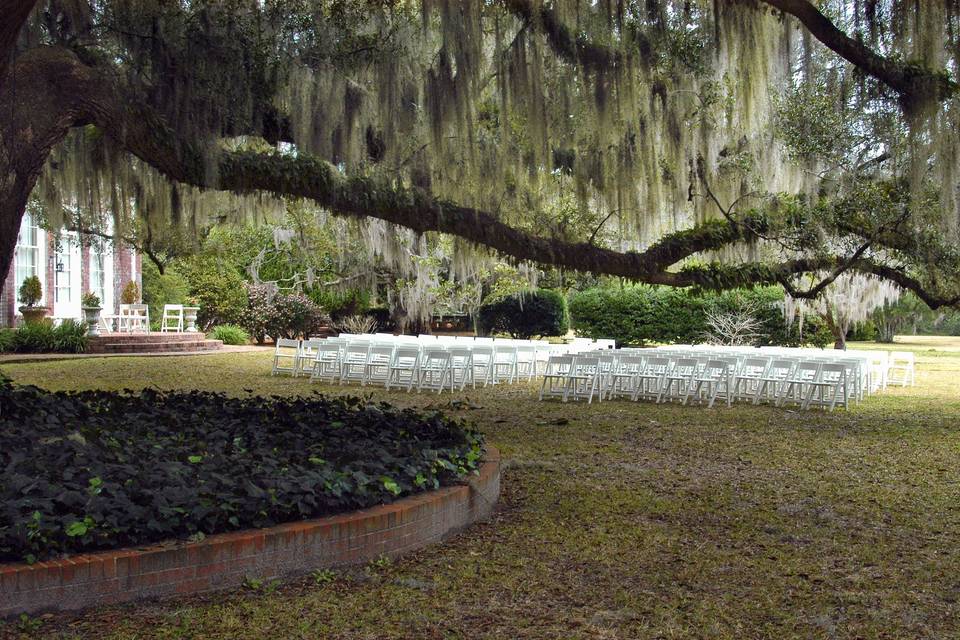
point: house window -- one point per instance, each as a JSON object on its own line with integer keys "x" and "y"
{"x": 27, "y": 260}
{"x": 98, "y": 279}
{"x": 65, "y": 270}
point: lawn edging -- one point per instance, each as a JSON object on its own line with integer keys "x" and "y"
{"x": 225, "y": 560}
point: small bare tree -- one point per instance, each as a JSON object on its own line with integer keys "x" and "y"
{"x": 357, "y": 324}
{"x": 733, "y": 328}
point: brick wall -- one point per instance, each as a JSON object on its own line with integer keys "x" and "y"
{"x": 225, "y": 560}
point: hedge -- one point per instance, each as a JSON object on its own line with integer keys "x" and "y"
{"x": 94, "y": 470}
{"x": 641, "y": 314}
{"x": 524, "y": 315}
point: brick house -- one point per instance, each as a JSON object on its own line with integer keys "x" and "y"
{"x": 68, "y": 266}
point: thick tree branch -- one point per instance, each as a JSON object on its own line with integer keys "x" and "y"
{"x": 914, "y": 84}
{"x": 13, "y": 15}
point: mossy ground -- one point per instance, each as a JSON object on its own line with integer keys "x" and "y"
{"x": 621, "y": 520}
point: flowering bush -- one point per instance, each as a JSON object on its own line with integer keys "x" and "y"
{"x": 280, "y": 315}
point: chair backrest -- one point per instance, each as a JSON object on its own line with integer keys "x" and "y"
{"x": 684, "y": 367}
{"x": 901, "y": 357}
{"x": 380, "y": 353}
{"x": 311, "y": 345}
{"x": 629, "y": 364}
{"x": 286, "y": 343}
{"x": 436, "y": 358}
{"x": 808, "y": 369}
{"x": 173, "y": 308}
{"x": 406, "y": 356}
{"x": 357, "y": 349}
{"x": 586, "y": 364}
{"x": 781, "y": 368}
{"x": 460, "y": 356}
{"x": 754, "y": 367}
{"x": 484, "y": 351}
{"x": 328, "y": 350}
{"x": 833, "y": 372}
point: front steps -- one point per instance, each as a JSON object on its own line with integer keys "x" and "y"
{"x": 154, "y": 342}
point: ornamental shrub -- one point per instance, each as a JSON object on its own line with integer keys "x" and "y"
{"x": 524, "y": 315}
{"x": 6, "y": 340}
{"x": 35, "y": 337}
{"x": 73, "y": 475}
{"x": 280, "y": 315}
{"x": 70, "y": 336}
{"x": 30, "y": 292}
{"x": 219, "y": 289}
{"x": 130, "y": 293}
{"x": 229, "y": 334}
{"x": 641, "y": 314}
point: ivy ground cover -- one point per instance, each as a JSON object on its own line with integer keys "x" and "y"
{"x": 100, "y": 469}
{"x": 619, "y": 521}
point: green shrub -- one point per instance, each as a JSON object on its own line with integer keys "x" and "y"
{"x": 219, "y": 289}
{"x": 72, "y": 476}
{"x": 169, "y": 288}
{"x": 7, "y": 337}
{"x": 35, "y": 337}
{"x": 641, "y": 314}
{"x": 340, "y": 304}
{"x": 90, "y": 300}
{"x": 280, "y": 315}
{"x": 537, "y": 313}
{"x": 70, "y": 336}
{"x": 229, "y": 334}
{"x": 30, "y": 292}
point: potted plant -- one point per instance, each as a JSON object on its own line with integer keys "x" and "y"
{"x": 130, "y": 293}
{"x": 90, "y": 303}
{"x": 30, "y": 294}
{"x": 190, "y": 311}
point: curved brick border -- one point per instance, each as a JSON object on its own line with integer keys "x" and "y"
{"x": 224, "y": 560}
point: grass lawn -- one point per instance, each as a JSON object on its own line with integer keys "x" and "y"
{"x": 622, "y": 520}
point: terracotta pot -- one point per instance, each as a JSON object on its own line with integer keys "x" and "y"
{"x": 33, "y": 314}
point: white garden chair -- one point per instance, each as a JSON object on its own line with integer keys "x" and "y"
{"x": 354, "y": 365}
{"x": 526, "y": 363}
{"x": 307, "y": 355}
{"x": 777, "y": 373}
{"x": 285, "y": 356}
{"x": 133, "y": 317}
{"x": 900, "y": 368}
{"x": 556, "y": 376}
{"x": 172, "y": 318}
{"x": 713, "y": 380}
{"x": 377, "y": 367}
{"x": 461, "y": 367}
{"x": 483, "y": 363}
{"x": 829, "y": 387}
{"x": 404, "y": 367}
{"x": 748, "y": 377}
{"x": 678, "y": 380}
{"x": 434, "y": 371}
{"x": 651, "y": 378}
{"x": 584, "y": 379}
{"x": 624, "y": 377}
{"x": 504, "y": 364}
{"x": 795, "y": 388}
{"x": 327, "y": 364}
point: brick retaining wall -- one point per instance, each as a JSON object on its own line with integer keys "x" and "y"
{"x": 224, "y": 560}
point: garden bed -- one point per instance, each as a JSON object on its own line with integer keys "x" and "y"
{"x": 99, "y": 470}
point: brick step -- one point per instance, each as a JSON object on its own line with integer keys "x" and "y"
{"x": 115, "y": 338}
{"x": 170, "y": 346}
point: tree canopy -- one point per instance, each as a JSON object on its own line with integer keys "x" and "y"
{"x": 688, "y": 143}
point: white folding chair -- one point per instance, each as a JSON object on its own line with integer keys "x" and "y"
{"x": 584, "y": 379}
{"x": 483, "y": 363}
{"x": 556, "y": 376}
{"x": 504, "y": 364}
{"x": 434, "y": 371}
{"x": 404, "y": 367}
{"x": 714, "y": 379}
{"x": 327, "y": 363}
{"x": 461, "y": 367}
{"x": 134, "y": 317}
{"x": 624, "y": 377}
{"x": 678, "y": 380}
{"x": 900, "y": 368}
{"x": 748, "y": 377}
{"x": 651, "y": 378}
{"x": 377, "y": 367}
{"x": 778, "y": 372}
{"x": 172, "y": 318}
{"x": 354, "y": 365}
{"x": 829, "y": 387}
{"x": 307, "y": 355}
{"x": 526, "y": 362}
{"x": 285, "y": 356}
{"x": 794, "y": 389}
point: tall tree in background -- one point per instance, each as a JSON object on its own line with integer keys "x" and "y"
{"x": 714, "y": 144}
